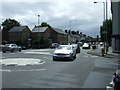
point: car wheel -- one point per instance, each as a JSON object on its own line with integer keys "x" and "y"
{"x": 54, "y": 59}
{"x": 72, "y": 58}
{"x": 19, "y": 50}
{"x": 12, "y": 50}
{"x": 3, "y": 51}
{"x": 75, "y": 56}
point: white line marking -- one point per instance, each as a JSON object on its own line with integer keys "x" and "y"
{"x": 46, "y": 53}
{"x": 31, "y": 70}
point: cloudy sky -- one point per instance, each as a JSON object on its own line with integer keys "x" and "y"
{"x": 85, "y": 17}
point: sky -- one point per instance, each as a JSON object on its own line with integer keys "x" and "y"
{"x": 85, "y": 16}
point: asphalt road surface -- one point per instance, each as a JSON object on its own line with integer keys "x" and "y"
{"x": 86, "y": 71}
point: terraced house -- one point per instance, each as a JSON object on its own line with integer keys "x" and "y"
{"x": 20, "y": 33}
{"x": 59, "y": 36}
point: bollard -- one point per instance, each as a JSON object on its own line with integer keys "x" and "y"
{"x": 103, "y": 51}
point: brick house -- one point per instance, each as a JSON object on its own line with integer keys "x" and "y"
{"x": 22, "y": 33}
{"x": 59, "y": 36}
{"x": 41, "y": 32}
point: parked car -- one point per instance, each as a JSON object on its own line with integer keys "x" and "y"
{"x": 64, "y": 52}
{"x": 23, "y": 47}
{"x": 54, "y": 45}
{"x": 11, "y": 47}
{"x": 94, "y": 46}
{"x": 116, "y": 80}
{"x": 76, "y": 47}
{"x": 86, "y": 46}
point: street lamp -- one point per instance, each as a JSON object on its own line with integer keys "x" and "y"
{"x": 38, "y": 31}
{"x": 38, "y": 25}
{"x": 71, "y": 23}
{"x": 106, "y": 30}
{"x": 104, "y": 19}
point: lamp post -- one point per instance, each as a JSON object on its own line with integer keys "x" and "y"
{"x": 71, "y": 24}
{"x": 104, "y": 20}
{"x": 38, "y": 31}
{"x": 38, "y": 25}
{"x": 106, "y": 30}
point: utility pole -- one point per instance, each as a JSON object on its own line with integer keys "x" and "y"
{"x": 106, "y": 30}
{"x": 38, "y": 31}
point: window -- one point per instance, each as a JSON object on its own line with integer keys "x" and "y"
{"x": 117, "y": 44}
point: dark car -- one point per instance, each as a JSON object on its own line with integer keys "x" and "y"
{"x": 11, "y": 47}
{"x": 54, "y": 45}
{"x": 77, "y": 47}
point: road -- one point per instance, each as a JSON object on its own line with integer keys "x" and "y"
{"x": 86, "y": 71}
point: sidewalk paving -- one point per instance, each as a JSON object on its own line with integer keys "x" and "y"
{"x": 97, "y": 52}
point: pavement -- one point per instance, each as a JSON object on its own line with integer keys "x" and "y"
{"x": 97, "y": 52}
{"x": 110, "y": 54}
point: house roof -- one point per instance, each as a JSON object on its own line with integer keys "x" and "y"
{"x": 59, "y": 31}
{"x": 39, "y": 29}
{"x": 17, "y": 28}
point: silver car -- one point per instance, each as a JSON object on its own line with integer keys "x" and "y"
{"x": 64, "y": 52}
{"x": 11, "y": 47}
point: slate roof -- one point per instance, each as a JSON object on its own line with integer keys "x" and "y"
{"x": 39, "y": 29}
{"x": 59, "y": 31}
{"x": 17, "y": 28}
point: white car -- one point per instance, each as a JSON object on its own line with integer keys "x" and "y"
{"x": 101, "y": 43}
{"x": 64, "y": 52}
{"x": 86, "y": 46}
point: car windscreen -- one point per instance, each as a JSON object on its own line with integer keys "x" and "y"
{"x": 64, "y": 47}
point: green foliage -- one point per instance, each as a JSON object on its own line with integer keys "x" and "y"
{"x": 66, "y": 31}
{"x": 25, "y": 44}
{"x": 19, "y": 42}
{"x": 103, "y": 28}
{"x": 9, "y": 24}
{"x": 94, "y": 40}
{"x": 35, "y": 42}
{"x": 44, "y": 24}
{"x": 4, "y": 42}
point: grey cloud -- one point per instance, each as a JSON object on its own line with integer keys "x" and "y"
{"x": 57, "y": 14}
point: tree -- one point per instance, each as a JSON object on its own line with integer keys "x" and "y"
{"x": 44, "y": 24}
{"x": 77, "y": 32}
{"x": 107, "y": 23}
{"x": 97, "y": 37}
{"x": 9, "y": 24}
{"x": 80, "y": 33}
{"x": 73, "y": 32}
{"x": 66, "y": 31}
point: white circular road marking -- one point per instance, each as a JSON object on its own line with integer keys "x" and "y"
{"x": 21, "y": 61}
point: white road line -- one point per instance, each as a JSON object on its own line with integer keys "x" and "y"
{"x": 31, "y": 70}
{"x": 94, "y": 56}
{"x": 46, "y": 53}
{"x": 46, "y": 57}
{"x": 85, "y": 56}
{"x": 90, "y": 55}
